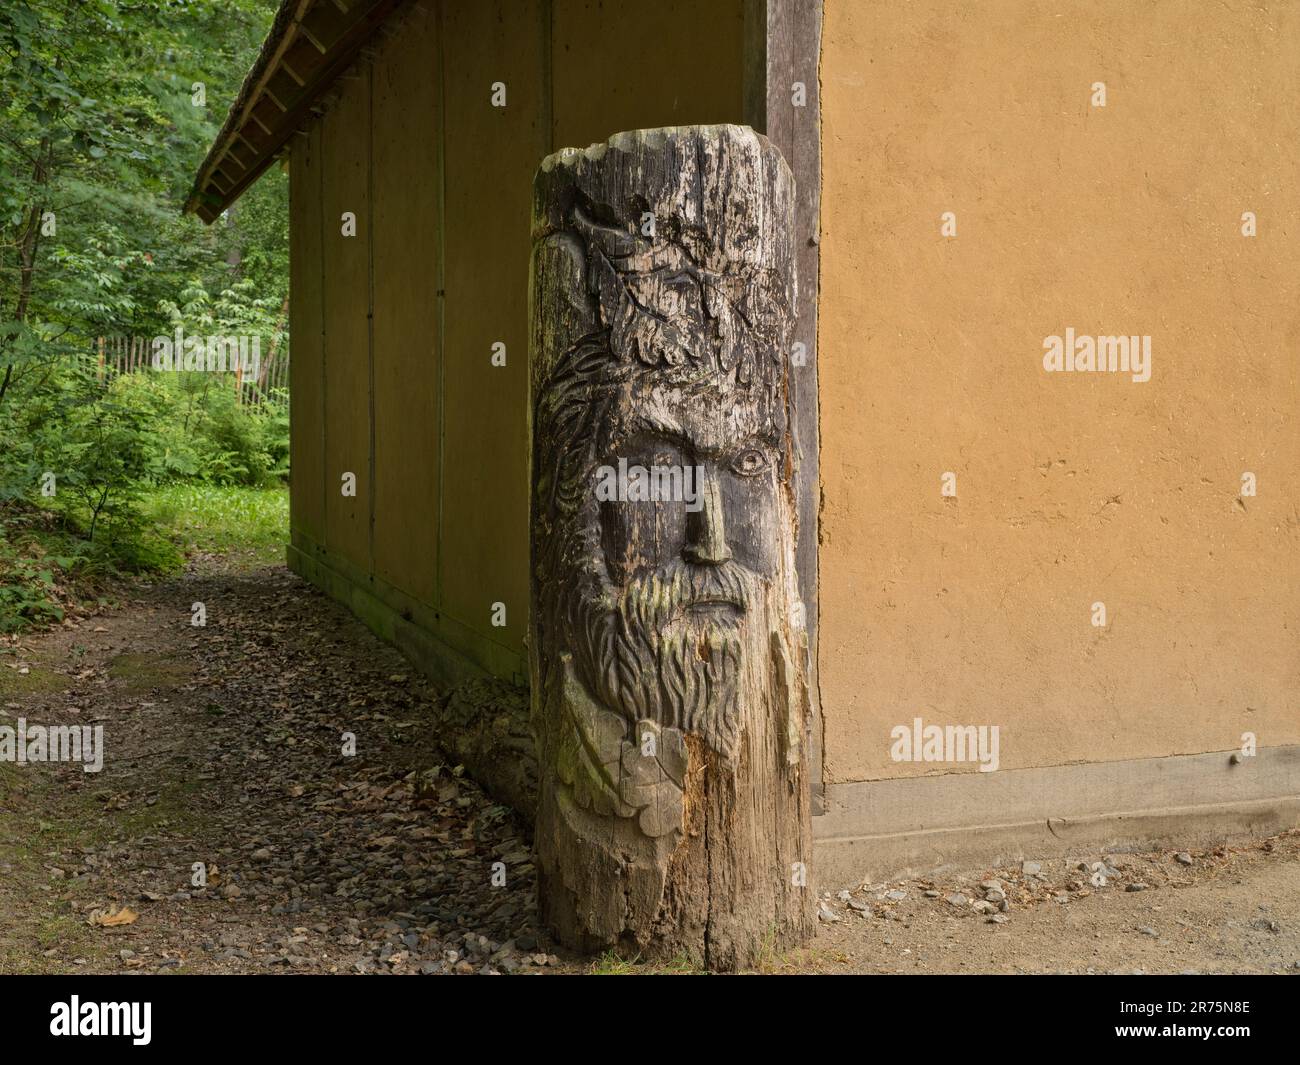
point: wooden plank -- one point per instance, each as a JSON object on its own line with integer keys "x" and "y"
{"x": 307, "y": 414}
{"x": 686, "y": 67}
{"x": 788, "y": 52}
{"x": 406, "y": 349}
{"x": 346, "y": 260}
{"x": 492, "y": 153}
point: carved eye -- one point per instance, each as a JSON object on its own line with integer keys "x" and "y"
{"x": 749, "y": 462}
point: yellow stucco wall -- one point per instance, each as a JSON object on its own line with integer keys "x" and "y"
{"x": 1071, "y": 488}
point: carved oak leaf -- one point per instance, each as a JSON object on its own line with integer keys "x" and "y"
{"x": 653, "y": 783}
{"x": 611, "y": 775}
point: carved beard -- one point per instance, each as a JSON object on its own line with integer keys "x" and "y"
{"x": 675, "y": 648}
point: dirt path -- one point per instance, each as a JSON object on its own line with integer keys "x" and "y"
{"x": 224, "y": 746}
{"x": 1226, "y": 910}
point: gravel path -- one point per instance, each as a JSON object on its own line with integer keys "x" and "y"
{"x": 224, "y": 748}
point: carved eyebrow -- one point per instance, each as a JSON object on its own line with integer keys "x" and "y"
{"x": 653, "y": 423}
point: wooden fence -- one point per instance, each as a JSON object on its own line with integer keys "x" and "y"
{"x": 134, "y": 354}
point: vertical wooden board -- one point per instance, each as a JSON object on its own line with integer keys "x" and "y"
{"x": 345, "y": 158}
{"x": 790, "y": 53}
{"x": 405, "y": 255}
{"x": 621, "y": 67}
{"x": 306, "y": 502}
{"x": 492, "y": 153}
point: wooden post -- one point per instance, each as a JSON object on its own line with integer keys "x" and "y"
{"x": 667, "y": 644}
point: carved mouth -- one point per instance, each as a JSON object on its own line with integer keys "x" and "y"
{"x": 715, "y": 604}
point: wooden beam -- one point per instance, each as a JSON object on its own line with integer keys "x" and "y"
{"x": 782, "y": 48}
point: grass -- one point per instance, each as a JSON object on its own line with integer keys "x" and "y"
{"x": 224, "y": 519}
{"x": 611, "y": 964}
{"x": 47, "y": 570}
{"x": 141, "y": 673}
{"x": 13, "y": 683}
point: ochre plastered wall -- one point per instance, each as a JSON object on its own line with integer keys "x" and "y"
{"x": 394, "y": 328}
{"x": 1071, "y": 488}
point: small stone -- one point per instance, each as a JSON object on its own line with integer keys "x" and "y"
{"x": 1183, "y": 858}
{"x": 897, "y": 896}
{"x": 1135, "y": 887}
{"x": 982, "y": 906}
{"x": 1147, "y": 930}
{"x": 827, "y": 915}
{"x": 932, "y": 894}
{"x": 861, "y": 905}
{"x": 995, "y": 895}
{"x": 1031, "y": 868}
{"x": 844, "y": 896}
{"x": 230, "y": 891}
{"x": 996, "y": 918}
{"x": 957, "y": 899}
{"x": 262, "y": 854}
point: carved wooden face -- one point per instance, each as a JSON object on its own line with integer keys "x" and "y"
{"x": 728, "y": 449}
{"x": 672, "y": 368}
{"x": 687, "y": 578}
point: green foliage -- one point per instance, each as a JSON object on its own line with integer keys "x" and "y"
{"x": 224, "y": 519}
{"x": 100, "y": 136}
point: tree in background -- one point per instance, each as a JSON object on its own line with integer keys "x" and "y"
{"x": 106, "y": 109}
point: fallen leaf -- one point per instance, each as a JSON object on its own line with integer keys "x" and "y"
{"x": 125, "y": 915}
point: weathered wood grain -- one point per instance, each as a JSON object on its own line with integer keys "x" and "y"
{"x": 667, "y": 645}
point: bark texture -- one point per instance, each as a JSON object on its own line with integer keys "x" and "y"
{"x": 668, "y": 648}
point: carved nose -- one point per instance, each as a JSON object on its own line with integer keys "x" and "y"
{"x": 706, "y": 533}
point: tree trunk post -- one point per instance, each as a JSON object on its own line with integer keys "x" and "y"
{"x": 667, "y": 644}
